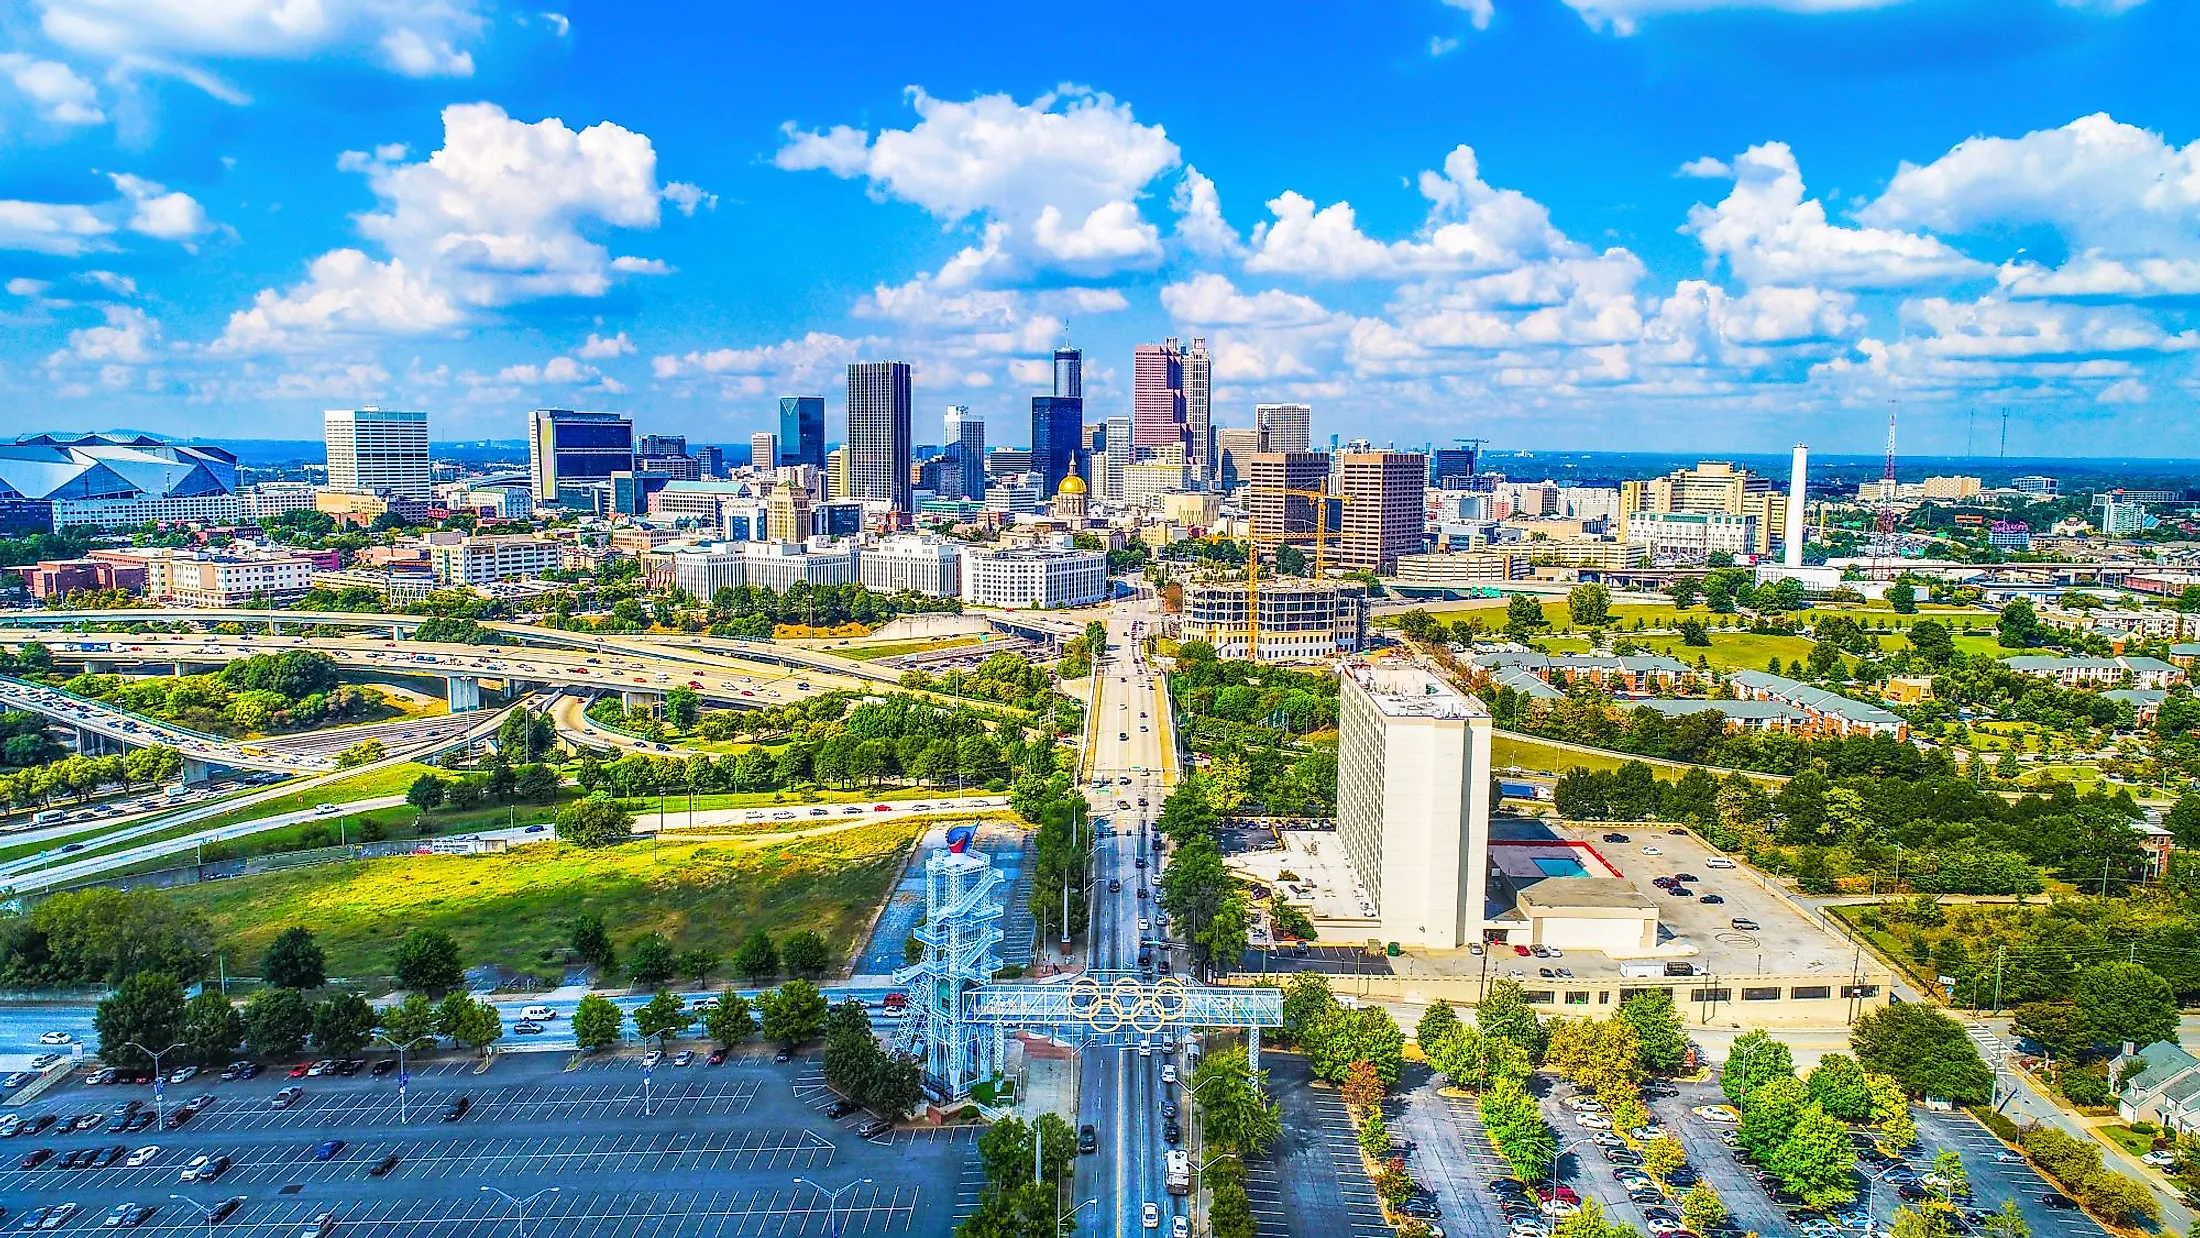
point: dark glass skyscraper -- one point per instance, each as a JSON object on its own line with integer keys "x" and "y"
{"x": 802, "y": 430}
{"x": 878, "y": 433}
{"x": 1057, "y": 438}
{"x": 1069, "y": 373}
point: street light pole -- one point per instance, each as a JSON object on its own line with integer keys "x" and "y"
{"x": 521, "y": 1204}
{"x": 160, "y": 1080}
{"x": 404, "y": 1076}
{"x": 832, "y": 1202}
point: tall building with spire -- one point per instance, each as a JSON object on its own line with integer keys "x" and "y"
{"x": 1157, "y": 395}
{"x": 1069, "y": 373}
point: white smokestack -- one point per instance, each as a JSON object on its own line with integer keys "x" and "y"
{"x": 1798, "y": 477}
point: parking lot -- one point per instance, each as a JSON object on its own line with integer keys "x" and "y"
{"x": 718, "y": 1151}
{"x": 1314, "y": 1177}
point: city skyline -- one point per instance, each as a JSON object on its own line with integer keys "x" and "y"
{"x": 1656, "y": 246}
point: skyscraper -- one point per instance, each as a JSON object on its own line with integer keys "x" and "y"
{"x": 963, "y": 432}
{"x": 1069, "y": 372}
{"x": 1277, "y": 513}
{"x": 1284, "y": 427}
{"x": 1120, "y": 454}
{"x": 1384, "y": 514}
{"x": 1157, "y": 395}
{"x": 801, "y": 431}
{"x": 1199, "y": 369}
{"x": 1057, "y": 438}
{"x": 1450, "y": 468}
{"x": 878, "y": 433}
{"x": 763, "y": 449}
{"x": 378, "y": 449}
{"x": 565, "y": 447}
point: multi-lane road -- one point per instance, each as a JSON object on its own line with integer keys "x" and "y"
{"x": 1121, "y": 1092}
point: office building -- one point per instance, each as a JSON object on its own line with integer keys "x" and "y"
{"x": 1299, "y": 621}
{"x": 1234, "y": 449}
{"x": 1157, "y": 395}
{"x": 1462, "y": 569}
{"x": 2117, "y": 516}
{"x": 630, "y": 492}
{"x": 710, "y": 462}
{"x": 1451, "y": 468}
{"x": 1007, "y": 461}
{"x": 802, "y": 430}
{"x": 1120, "y": 455}
{"x": 1678, "y": 538}
{"x": 570, "y": 451}
{"x": 787, "y": 510}
{"x": 220, "y": 578}
{"x": 1282, "y": 486}
{"x": 1284, "y": 427}
{"x": 836, "y": 518}
{"x": 763, "y": 450}
{"x": 704, "y": 570}
{"x": 1385, "y": 509}
{"x": 270, "y": 499}
{"x": 912, "y": 564}
{"x": 661, "y": 445}
{"x": 1057, "y": 438}
{"x": 1199, "y": 418}
{"x": 1791, "y": 533}
{"x": 1955, "y": 489}
{"x": 964, "y": 436}
{"x": 499, "y": 502}
{"x": 836, "y": 473}
{"x": 1713, "y": 486}
{"x": 878, "y": 434}
{"x": 678, "y": 468}
{"x": 2033, "y": 483}
{"x": 55, "y": 481}
{"x": 1025, "y": 577}
{"x": 1145, "y": 482}
{"x": 1413, "y": 801}
{"x": 378, "y": 449}
{"x": 1069, "y": 373}
{"x": 462, "y": 560}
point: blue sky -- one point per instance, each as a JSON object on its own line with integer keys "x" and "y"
{"x": 1627, "y": 224}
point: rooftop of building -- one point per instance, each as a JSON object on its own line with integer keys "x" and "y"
{"x": 1404, "y": 690}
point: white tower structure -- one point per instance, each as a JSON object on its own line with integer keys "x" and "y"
{"x": 1792, "y": 536}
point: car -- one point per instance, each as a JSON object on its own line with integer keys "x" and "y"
{"x": 194, "y": 1167}
{"x": 1712, "y": 899}
{"x": 351, "y": 1066}
{"x": 383, "y": 1067}
{"x": 1626, "y": 1158}
{"x": 142, "y": 1157}
{"x": 286, "y": 1098}
{"x": 1616, "y": 837}
{"x": 185, "y": 1075}
{"x": 783, "y": 1055}
{"x": 527, "y": 1027}
{"x": 651, "y": 1058}
{"x": 1520, "y": 950}
{"x": 840, "y": 1108}
{"x": 58, "y": 1216}
{"x": 1140, "y": 862}
{"x": 83, "y": 1122}
{"x": 34, "y": 1158}
{"x": 1718, "y": 861}
{"x": 875, "y": 1127}
{"x": 685, "y": 1057}
{"x": 321, "y": 1226}
{"x": 2160, "y": 1158}
{"x": 126, "y": 1216}
{"x": 1529, "y": 1227}
{"x": 1168, "y": 1109}
{"x": 1652, "y": 850}
{"x": 328, "y": 1149}
{"x": 715, "y": 1057}
{"x": 56, "y": 1038}
{"x": 1149, "y": 1216}
{"x": 382, "y": 1168}
{"x": 1421, "y": 1209}
{"x": 139, "y": 1121}
{"x": 1717, "y": 1113}
{"x": 1646, "y": 1132}
{"x": 457, "y": 1108}
{"x": 299, "y": 1071}
{"x": 320, "y": 1068}
{"x": 1592, "y": 1121}
{"x": 39, "y": 1124}
{"x": 224, "y": 1210}
{"x": 1743, "y": 924}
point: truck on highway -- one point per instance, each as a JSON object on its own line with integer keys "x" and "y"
{"x": 1180, "y": 1171}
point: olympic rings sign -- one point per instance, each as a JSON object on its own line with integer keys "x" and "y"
{"x": 1126, "y": 1001}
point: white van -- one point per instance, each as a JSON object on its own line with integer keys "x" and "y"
{"x": 323, "y": 809}
{"x": 1718, "y": 861}
{"x": 538, "y": 1014}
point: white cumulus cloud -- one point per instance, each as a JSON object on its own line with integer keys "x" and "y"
{"x": 599, "y": 347}
{"x": 60, "y": 228}
{"x": 158, "y": 211}
{"x": 60, "y": 95}
{"x": 418, "y": 38}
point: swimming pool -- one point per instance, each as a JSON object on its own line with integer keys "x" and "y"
{"x": 1560, "y": 866}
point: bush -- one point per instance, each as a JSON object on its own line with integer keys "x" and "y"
{"x": 1999, "y": 1123}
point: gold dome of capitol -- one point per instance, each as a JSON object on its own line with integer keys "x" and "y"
{"x": 1072, "y": 484}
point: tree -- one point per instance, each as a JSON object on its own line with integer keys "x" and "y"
{"x": 2120, "y": 1201}
{"x": 729, "y": 1022}
{"x": 1504, "y": 1013}
{"x": 663, "y": 1015}
{"x": 1524, "y": 616}
{"x": 277, "y": 1022}
{"x": 426, "y": 959}
{"x": 1230, "y": 1209}
{"x": 1598, "y": 1056}
{"x": 591, "y": 942}
{"x": 426, "y": 792}
{"x": 804, "y": 953}
{"x": 537, "y": 784}
{"x": 793, "y": 1012}
{"x": 211, "y": 1027}
{"x": 1902, "y": 595}
{"x": 1755, "y": 1060}
{"x": 1817, "y": 1159}
{"x": 595, "y": 820}
{"x": 1233, "y": 1109}
{"x": 2183, "y": 820}
{"x": 147, "y": 1008}
{"x": 1374, "y": 1135}
{"x": 1439, "y": 1023}
{"x": 408, "y": 1020}
{"x": 1924, "y": 1049}
{"x": 1927, "y": 1221}
{"x": 1663, "y": 1155}
{"x": 1694, "y": 634}
{"x": 2007, "y": 1223}
{"x": 1839, "y": 1086}
{"x": 2019, "y": 626}
{"x": 1949, "y": 1178}
{"x": 1361, "y": 1086}
{"x": 469, "y": 1022}
{"x": 1367, "y": 1034}
{"x": 1517, "y": 1130}
{"x": 294, "y": 961}
{"x": 596, "y": 1022}
{"x": 1590, "y": 605}
{"x": 683, "y": 708}
{"x": 1660, "y": 1045}
{"x": 757, "y": 957}
{"x": 1701, "y": 1209}
{"x": 2125, "y": 1002}
{"x": 1933, "y": 643}
{"x": 342, "y": 1024}
{"x": 1769, "y": 1114}
{"x": 649, "y": 962}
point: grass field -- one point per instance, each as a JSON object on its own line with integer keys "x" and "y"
{"x": 516, "y": 909}
{"x": 1509, "y": 750}
{"x": 895, "y": 649}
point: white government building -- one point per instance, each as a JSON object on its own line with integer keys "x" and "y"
{"x": 1034, "y": 576}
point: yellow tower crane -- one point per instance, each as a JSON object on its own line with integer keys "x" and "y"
{"x": 1322, "y": 534}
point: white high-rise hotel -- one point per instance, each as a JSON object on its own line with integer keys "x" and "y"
{"x": 378, "y": 449}
{"x": 1413, "y": 801}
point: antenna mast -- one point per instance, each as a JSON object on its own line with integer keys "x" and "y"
{"x": 1883, "y": 540}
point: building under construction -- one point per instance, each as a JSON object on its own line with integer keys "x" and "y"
{"x": 1300, "y": 621}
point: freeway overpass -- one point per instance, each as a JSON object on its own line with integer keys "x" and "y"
{"x": 96, "y": 723}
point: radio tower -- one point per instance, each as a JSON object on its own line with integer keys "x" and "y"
{"x": 1883, "y": 541}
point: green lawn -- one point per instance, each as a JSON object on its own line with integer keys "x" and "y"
{"x": 516, "y": 909}
{"x": 1509, "y": 750}
{"x": 895, "y": 649}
